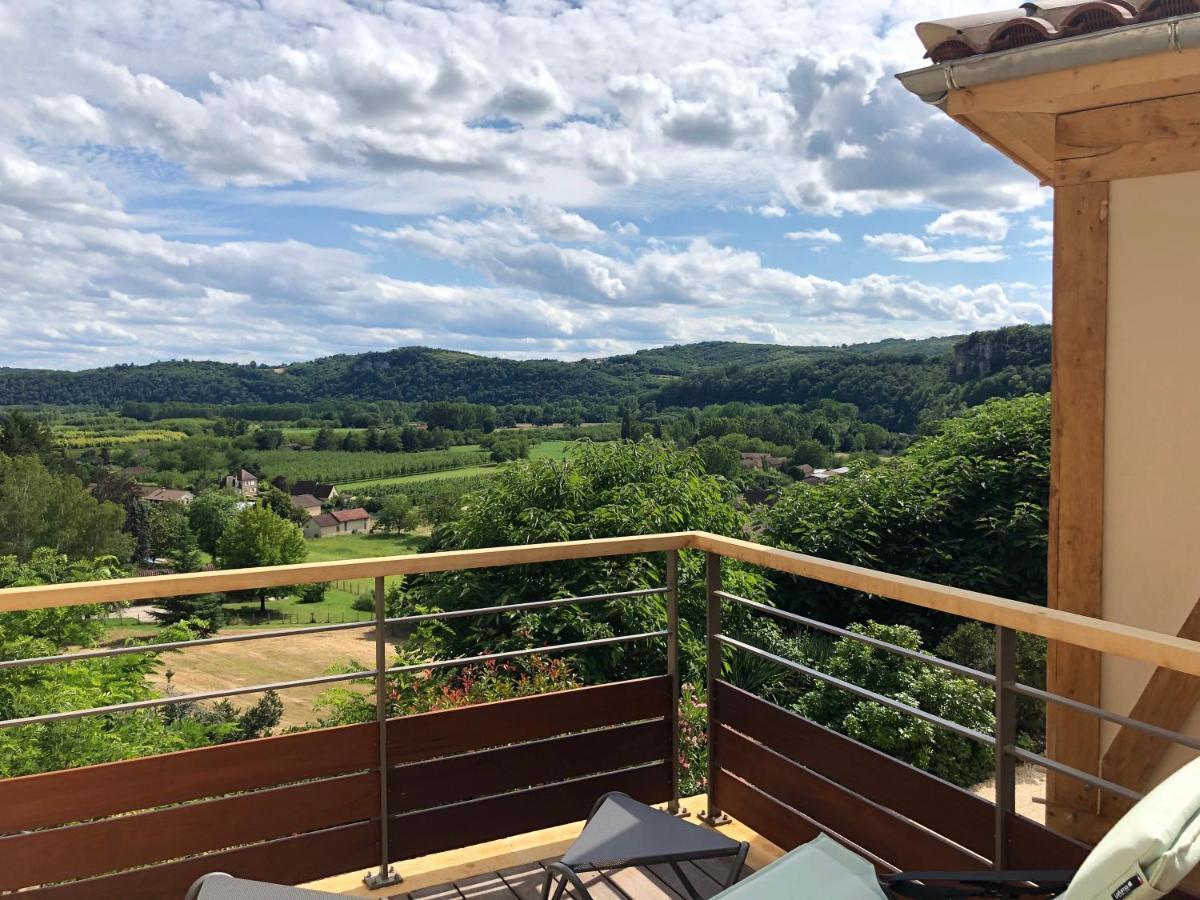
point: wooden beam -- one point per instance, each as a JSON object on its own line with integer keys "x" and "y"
{"x": 1168, "y": 701}
{"x": 1025, "y": 138}
{"x": 1076, "y": 486}
{"x": 1165, "y": 74}
{"x": 1130, "y": 140}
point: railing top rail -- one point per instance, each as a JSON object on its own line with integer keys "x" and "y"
{"x": 156, "y": 587}
{"x": 1096, "y": 634}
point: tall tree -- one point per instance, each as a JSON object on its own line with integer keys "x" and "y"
{"x": 45, "y": 509}
{"x": 208, "y": 516}
{"x": 22, "y": 434}
{"x": 258, "y": 537}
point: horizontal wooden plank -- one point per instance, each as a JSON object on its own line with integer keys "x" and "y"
{"x": 466, "y": 824}
{"x": 109, "y": 845}
{"x": 1162, "y": 156}
{"x": 1033, "y": 846}
{"x": 451, "y": 731}
{"x": 466, "y": 777}
{"x": 158, "y": 586}
{"x": 73, "y": 795}
{"x": 1092, "y": 132}
{"x": 1096, "y": 634}
{"x": 894, "y": 839}
{"x": 293, "y": 860}
{"x": 960, "y": 815}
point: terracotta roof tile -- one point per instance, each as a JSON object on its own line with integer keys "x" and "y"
{"x": 1036, "y": 23}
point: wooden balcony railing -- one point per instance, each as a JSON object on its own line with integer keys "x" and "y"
{"x": 303, "y": 806}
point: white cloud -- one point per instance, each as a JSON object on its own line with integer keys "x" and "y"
{"x": 817, "y": 236}
{"x": 625, "y": 229}
{"x": 911, "y": 249}
{"x": 983, "y": 224}
{"x": 771, "y": 211}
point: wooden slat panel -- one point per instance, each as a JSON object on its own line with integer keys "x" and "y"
{"x": 72, "y": 795}
{"x": 1033, "y": 846}
{"x": 892, "y": 838}
{"x": 1076, "y": 543}
{"x": 456, "y": 778}
{"x": 777, "y": 823}
{"x": 81, "y": 851}
{"x": 917, "y": 795}
{"x": 447, "y": 732}
{"x": 287, "y": 861}
{"x": 465, "y": 824}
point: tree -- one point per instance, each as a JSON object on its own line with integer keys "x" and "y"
{"x": 397, "y": 514}
{"x": 943, "y": 753}
{"x": 171, "y": 536}
{"x": 36, "y": 690}
{"x": 204, "y": 612}
{"x": 272, "y": 498}
{"x": 719, "y": 459}
{"x": 966, "y": 506}
{"x": 813, "y": 453}
{"x": 601, "y": 490}
{"x": 45, "y": 509}
{"x": 208, "y": 514}
{"x": 114, "y": 486}
{"x": 22, "y": 435}
{"x": 325, "y": 439}
{"x": 257, "y": 537}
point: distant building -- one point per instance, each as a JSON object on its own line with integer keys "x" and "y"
{"x": 244, "y": 482}
{"x": 340, "y": 521}
{"x": 762, "y": 461}
{"x": 152, "y": 494}
{"x": 760, "y": 497}
{"x": 821, "y": 476}
{"x": 323, "y": 492}
{"x": 308, "y": 503}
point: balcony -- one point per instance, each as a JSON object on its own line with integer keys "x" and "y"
{"x": 478, "y": 787}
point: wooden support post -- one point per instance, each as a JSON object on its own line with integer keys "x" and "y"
{"x": 1077, "y": 490}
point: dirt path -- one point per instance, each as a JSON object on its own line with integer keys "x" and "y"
{"x": 198, "y": 669}
{"x": 1031, "y": 792}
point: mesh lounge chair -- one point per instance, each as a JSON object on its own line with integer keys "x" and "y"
{"x": 621, "y": 832}
{"x": 1145, "y": 855}
{"x": 219, "y": 886}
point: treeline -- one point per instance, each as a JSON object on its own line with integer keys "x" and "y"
{"x": 900, "y": 385}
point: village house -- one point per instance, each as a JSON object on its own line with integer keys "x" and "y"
{"x": 308, "y": 503}
{"x": 339, "y": 521}
{"x": 322, "y": 492}
{"x": 762, "y": 461}
{"x": 244, "y": 482}
{"x": 153, "y": 494}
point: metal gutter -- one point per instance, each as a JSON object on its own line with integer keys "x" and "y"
{"x": 934, "y": 83}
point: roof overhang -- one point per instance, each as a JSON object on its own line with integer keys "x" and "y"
{"x": 1119, "y": 103}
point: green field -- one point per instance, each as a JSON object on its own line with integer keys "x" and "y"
{"x": 338, "y": 604}
{"x": 465, "y": 472}
{"x": 550, "y": 450}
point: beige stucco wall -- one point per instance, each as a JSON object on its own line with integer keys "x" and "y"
{"x": 1152, "y": 419}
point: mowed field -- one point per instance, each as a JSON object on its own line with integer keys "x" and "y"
{"x": 245, "y": 663}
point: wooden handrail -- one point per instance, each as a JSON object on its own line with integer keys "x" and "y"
{"x": 1127, "y": 641}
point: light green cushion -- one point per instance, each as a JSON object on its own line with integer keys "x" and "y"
{"x": 822, "y": 869}
{"x": 1151, "y": 849}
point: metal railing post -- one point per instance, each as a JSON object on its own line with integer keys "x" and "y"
{"x": 712, "y": 592}
{"x": 672, "y": 596}
{"x": 386, "y": 876}
{"x": 1006, "y": 740}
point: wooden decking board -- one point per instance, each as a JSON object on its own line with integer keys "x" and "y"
{"x": 526, "y": 881}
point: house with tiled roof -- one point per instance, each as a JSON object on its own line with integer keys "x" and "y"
{"x": 323, "y": 492}
{"x": 154, "y": 494}
{"x": 339, "y": 521}
{"x": 308, "y": 503}
{"x": 244, "y": 482}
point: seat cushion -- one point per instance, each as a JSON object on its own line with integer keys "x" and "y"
{"x": 822, "y": 869}
{"x": 1151, "y": 849}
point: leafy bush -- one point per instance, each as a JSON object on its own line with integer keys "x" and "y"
{"x": 923, "y": 744}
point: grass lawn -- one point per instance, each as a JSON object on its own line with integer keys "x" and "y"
{"x": 550, "y": 450}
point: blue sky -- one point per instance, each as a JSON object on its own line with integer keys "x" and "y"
{"x": 286, "y": 179}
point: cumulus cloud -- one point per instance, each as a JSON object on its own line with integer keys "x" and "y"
{"x": 816, "y": 236}
{"x": 911, "y": 249}
{"x": 165, "y": 175}
{"x": 983, "y": 224}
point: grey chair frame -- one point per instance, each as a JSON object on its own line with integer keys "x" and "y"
{"x": 566, "y": 875}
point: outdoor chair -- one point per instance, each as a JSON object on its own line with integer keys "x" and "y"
{"x": 219, "y": 886}
{"x": 1146, "y": 854}
{"x": 620, "y": 832}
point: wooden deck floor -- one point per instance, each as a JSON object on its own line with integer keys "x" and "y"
{"x": 524, "y": 882}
